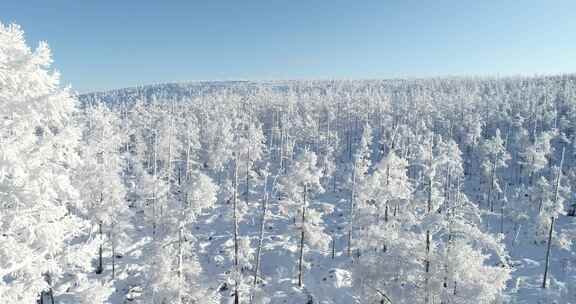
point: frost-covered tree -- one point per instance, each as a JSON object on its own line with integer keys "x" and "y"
{"x": 188, "y": 133}
{"x": 217, "y": 140}
{"x": 385, "y": 238}
{"x": 457, "y": 269}
{"x": 362, "y": 160}
{"x": 249, "y": 149}
{"x": 536, "y": 156}
{"x": 39, "y": 139}
{"x": 552, "y": 205}
{"x": 495, "y": 156}
{"x": 174, "y": 273}
{"x": 300, "y": 185}
{"x": 99, "y": 177}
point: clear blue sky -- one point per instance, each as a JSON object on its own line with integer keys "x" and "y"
{"x": 111, "y": 44}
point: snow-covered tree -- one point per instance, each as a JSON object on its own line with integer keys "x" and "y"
{"x": 38, "y": 161}
{"x": 360, "y": 166}
{"x": 99, "y": 177}
{"x": 175, "y": 273}
{"x": 495, "y": 156}
{"x": 300, "y": 185}
{"x": 536, "y": 156}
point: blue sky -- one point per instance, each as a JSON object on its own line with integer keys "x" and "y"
{"x": 111, "y": 44}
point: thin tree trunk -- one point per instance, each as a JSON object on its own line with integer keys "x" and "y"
{"x": 180, "y": 265}
{"x": 351, "y": 224}
{"x": 235, "y": 206}
{"x": 446, "y": 265}
{"x": 502, "y": 208}
{"x": 281, "y": 156}
{"x": 155, "y": 171}
{"x": 50, "y": 292}
{"x": 427, "y": 268}
{"x": 302, "y": 236}
{"x": 334, "y": 180}
{"x": 447, "y": 185}
{"x": 386, "y": 212}
{"x": 429, "y": 209}
{"x": 171, "y": 124}
{"x": 248, "y": 175}
{"x": 490, "y": 202}
{"x": 559, "y": 176}
{"x": 261, "y": 234}
{"x": 502, "y": 218}
{"x": 333, "y": 247}
{"x": 548, "y": 248}
{"x": 188, "y": 152}
{"x": 430, "y": 181}
{"x": 547, "y": 263}
{"x": 100, "y": 267}
{"x": 112, "y": 239}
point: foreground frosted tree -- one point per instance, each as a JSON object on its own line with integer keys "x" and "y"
{"x": 38, "y": 142}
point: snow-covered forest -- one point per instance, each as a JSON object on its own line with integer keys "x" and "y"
{"x": 456, "y": 190}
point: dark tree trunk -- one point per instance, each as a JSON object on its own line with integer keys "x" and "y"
{"x": 261, "y": 234}
{"x": 302, "y": 237}
{"x": 236, "y": 268}
{"x": 100, "y": 267}
{"x": 548, "y": 248}
{"x": 351, "y": 226}
{"x": 547, "y": 263}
